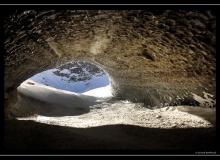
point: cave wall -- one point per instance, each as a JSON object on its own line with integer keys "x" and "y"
{"x": 169, "y": 52}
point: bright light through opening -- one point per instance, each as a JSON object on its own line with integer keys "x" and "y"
{"x": 72, "y": 82}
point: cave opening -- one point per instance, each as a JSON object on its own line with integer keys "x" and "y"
{"x": 78, "y": 77}
{"x": 68, "y": 89}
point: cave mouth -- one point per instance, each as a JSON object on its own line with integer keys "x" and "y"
{"x": 77, "y": 95}
{"x": 74, "y": 83}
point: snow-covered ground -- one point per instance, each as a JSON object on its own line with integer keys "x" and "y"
{"x": 62, "y": 97}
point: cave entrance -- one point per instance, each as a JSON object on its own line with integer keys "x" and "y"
{"x": 76, "y": 84}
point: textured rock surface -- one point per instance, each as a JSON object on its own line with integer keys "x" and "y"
{"x": 152, "y": 55}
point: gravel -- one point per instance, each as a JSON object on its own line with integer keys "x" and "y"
{"x": 125, "y": 112}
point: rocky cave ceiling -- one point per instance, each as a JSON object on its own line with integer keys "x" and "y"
{"x": 154, "y": 53}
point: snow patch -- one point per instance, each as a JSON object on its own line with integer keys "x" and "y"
{"x": 62, "y": 97}
{"x": 101, "y": 92}
{"x": 206, "y": 101}
{"x": 65, "y": 71}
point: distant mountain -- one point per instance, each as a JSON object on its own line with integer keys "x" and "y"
{"x": 78, "y": 71}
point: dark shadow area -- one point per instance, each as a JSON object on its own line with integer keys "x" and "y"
{"x": 209, "y": 114}
{"x": 29, "y": 136}
{"x": 152, "y": 97}
{"x": 27, "y": 106}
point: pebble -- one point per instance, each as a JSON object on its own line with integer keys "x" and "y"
{"x": 158, "y": 116}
